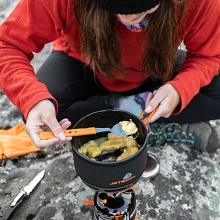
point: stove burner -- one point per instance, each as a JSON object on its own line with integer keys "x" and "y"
{"x": 115, "y": 206}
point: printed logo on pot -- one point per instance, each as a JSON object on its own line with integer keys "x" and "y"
{"x": 125, "y": 179}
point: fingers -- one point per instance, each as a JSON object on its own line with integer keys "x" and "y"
{"x": 156, "y": 115}
{"x": 157, "y": 98}
{"x": 34, "y": 135}
{"x": 149, "y": 97}
{"x": 167, "y": 98}
{"x": 65, "y": 123}
{"x": 54, "y": 126}
{"x": 38, "y": 120}
{"x": 57, "y": 129}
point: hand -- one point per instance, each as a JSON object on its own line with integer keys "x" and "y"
{"x": 43, "y": 117}
{"x": 166, "y": 97}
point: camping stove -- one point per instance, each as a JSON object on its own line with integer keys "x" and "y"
{"x": 122, "y": 205}
{"x": 113, "y": 181}
{"x": 115, "y": 206}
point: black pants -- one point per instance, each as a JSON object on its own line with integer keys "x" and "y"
{"x": 72, "y": 83}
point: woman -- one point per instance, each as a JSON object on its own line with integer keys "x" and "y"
{"x": 125, "y": 47}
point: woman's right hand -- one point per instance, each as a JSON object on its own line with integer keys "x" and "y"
{"x": 166, "y": 97}
{"x": 43, "y": 117}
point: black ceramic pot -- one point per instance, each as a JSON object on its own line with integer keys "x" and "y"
{"x": 109, "y": 176}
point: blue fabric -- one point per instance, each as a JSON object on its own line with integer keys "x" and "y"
{"x": 134, "y": 104}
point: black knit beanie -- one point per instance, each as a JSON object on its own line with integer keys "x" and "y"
{"x": 127, "y": 6}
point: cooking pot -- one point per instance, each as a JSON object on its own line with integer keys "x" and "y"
{"x": 109, "y": 176}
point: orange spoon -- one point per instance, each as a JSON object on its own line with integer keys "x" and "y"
{"x": 116, "y": 129}
{"x": 44, "y": 135}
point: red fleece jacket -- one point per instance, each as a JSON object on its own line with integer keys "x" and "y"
{"x": 34, "y": 23}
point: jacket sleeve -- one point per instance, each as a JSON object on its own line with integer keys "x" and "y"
{"x": 202, "y": 41}
{"x": 31, "y": 25}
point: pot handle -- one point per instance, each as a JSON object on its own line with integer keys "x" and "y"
{"x": 44, "y": 135}
{"x": 147, "y": 119}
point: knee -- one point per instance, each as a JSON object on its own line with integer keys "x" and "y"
{"x": 213, "y": 88}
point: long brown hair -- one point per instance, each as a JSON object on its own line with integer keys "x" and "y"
{"x": 100, "y": 43}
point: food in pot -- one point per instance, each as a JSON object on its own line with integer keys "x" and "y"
{"x": 84, "y": 148}
{"x": 131, "y": 148}
{"x": 113, "y": 145}
{"x": 128, "y": 127}
{"x": 128, "y": 151}
{"x": 126, "y": 145}
{"x": 112, "y": 136}
{"x": 93, "y": 152}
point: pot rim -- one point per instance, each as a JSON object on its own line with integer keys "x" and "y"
{"x": 114, "y": 163}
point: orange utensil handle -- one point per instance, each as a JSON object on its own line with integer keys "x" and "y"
{"x": 142, "y": 114}
{"x": 147, "y": 119}
{"x": 44, "y": 135}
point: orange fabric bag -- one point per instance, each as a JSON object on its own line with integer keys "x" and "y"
{"x": 15, "y": 142}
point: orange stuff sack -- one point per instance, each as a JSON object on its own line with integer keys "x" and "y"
{"x": 15, "y": 142}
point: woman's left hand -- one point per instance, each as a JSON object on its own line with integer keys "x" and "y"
{"x": 166, "y": 97}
